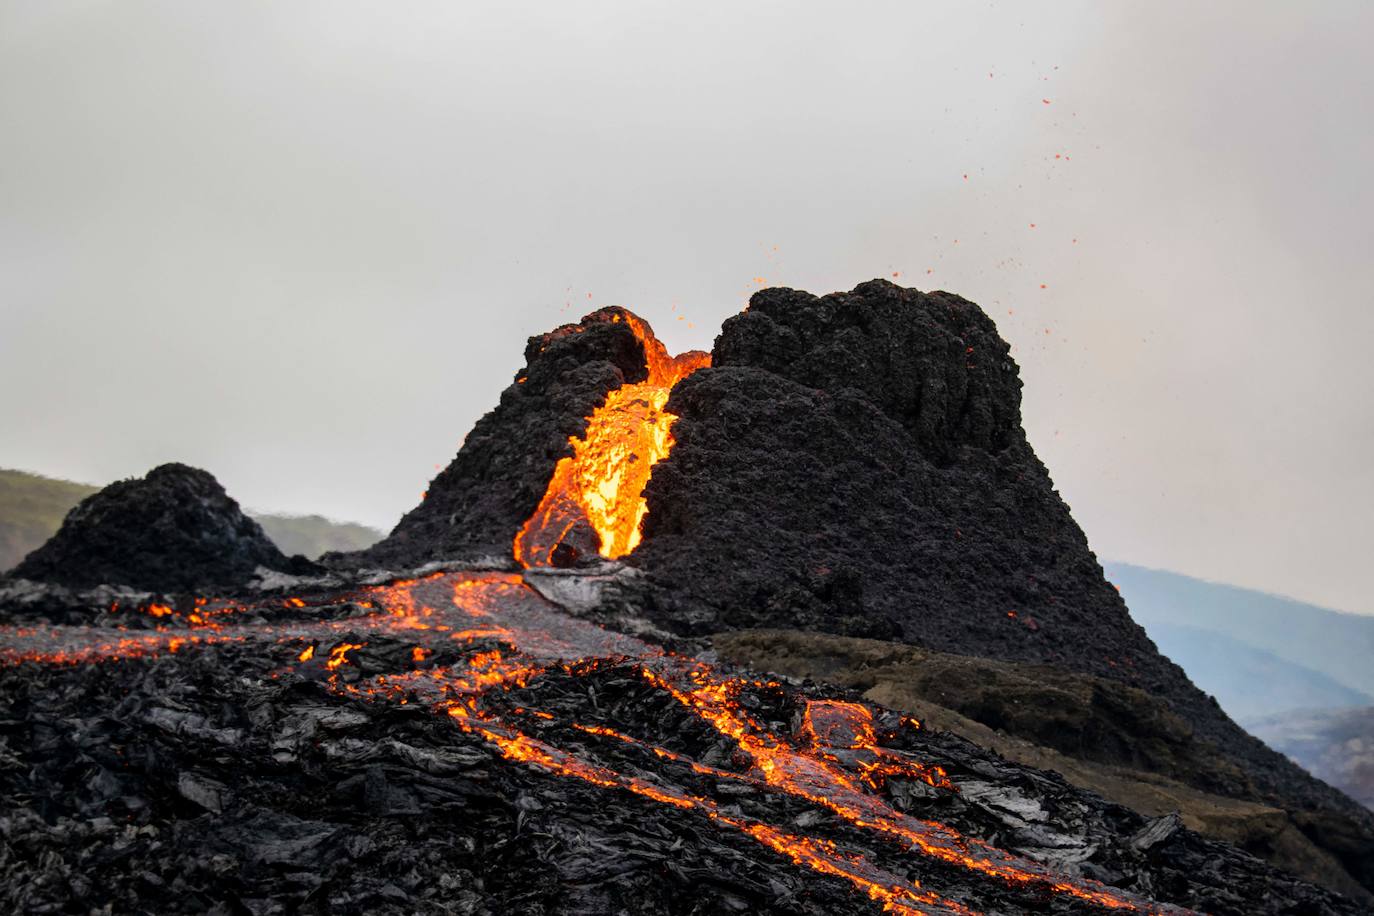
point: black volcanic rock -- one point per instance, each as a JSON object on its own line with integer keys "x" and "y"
{"x": 851, "y": 464}
{"x": 174, "y": 530}
{"x": 855, "y": 464}
{"x": 933, "y": 363}
{"x": 873, "y": 438}
{"x": 495, "y": 482}
{"x": 243, "y": 775}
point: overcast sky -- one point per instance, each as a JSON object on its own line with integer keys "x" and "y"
{"x": 301, "y": 244}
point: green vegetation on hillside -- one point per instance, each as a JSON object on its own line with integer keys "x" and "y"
{"x": 32, "y": 508}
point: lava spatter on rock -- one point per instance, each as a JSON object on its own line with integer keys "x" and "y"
{"x": 822, "y": 803}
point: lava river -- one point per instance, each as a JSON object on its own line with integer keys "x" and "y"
{"x": 481, "y": 645}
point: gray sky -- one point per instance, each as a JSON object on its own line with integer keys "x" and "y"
{"x": 301, "y": 244}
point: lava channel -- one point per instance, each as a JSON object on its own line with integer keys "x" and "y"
{"x": 598, "y": 490}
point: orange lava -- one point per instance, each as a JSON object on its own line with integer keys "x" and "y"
{"x": 338, "y": 654}
{"x": 818, "y": 780}
{"x": 602, "y": 482}
{"x": 833, "y": 759}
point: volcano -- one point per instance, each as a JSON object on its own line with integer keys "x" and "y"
{"x": 527, "y": 698}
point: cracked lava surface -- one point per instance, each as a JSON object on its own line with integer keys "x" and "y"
{"x": 506, "y": 637}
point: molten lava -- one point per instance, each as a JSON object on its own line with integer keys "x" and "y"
{"x": 833, "y": 762}
{"x": 601, "y": 485}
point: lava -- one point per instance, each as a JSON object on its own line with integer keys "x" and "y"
{"x": 601, "y": 485}
{"x": 339, "y": 655}
{"x": 507, "y": 638}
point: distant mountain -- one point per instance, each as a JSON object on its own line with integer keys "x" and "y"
{"x": 1331, "y": 646}
{"x": 313, "y": 535}
{"x": 1297, "y": 676}
{"x": 1248, "y": 682}
{"x": 1334, "y": 745}
{"x": 32, "y": 508}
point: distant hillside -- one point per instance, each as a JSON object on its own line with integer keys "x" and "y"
{"x": 1334, "y": 745}
{"x": 1249, "y": 683}
{"x": 32, "y": 508}
{"x": 312, "y": 535}
{"x": 1328, "y": 652}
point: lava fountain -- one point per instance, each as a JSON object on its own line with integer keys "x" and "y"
{"x": 596, "y": 494}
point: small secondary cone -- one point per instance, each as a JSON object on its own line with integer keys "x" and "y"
{"x": 173, "y": 530}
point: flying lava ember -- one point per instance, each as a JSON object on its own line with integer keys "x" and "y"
{"x": 498, "y": 640}
{"x": 601, "y": 484}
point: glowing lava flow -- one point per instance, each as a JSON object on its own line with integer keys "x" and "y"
{"x": 602, "y": 482}
{"x": 499, "y": 636}
{"x": 818, "y": 780}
